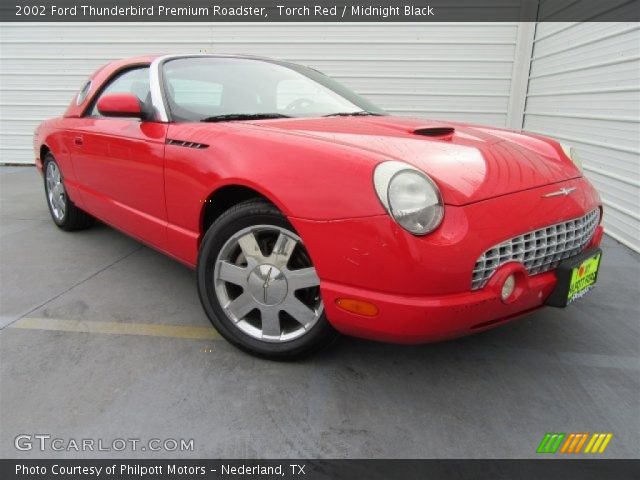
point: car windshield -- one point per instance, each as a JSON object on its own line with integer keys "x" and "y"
{"x": 227, "y": 89}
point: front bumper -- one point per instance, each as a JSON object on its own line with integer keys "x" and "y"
{"x": 405, "y": 319}
{"x": 422, "y": 285}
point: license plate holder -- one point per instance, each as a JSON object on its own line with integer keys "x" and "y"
{"x": 576, "y": 277}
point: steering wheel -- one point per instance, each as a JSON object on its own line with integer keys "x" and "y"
{"x": 299, "y": 104}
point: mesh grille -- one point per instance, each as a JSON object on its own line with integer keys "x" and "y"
{"x": 540, "y": 250}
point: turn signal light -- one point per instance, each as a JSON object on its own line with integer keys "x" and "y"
{"x": 357, "y": 306}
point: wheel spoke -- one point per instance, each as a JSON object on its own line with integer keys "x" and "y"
{"x": 282, "y": 250}
{"x": 250, "y": 248}
{"x": 232, "y": 273}
{"x": 241, "y": 306}
{"x": 270, "y": 322}
{"x": 302, "y": 278}
{"x": 298, "y": 310}
{"x": 55, "y": 200}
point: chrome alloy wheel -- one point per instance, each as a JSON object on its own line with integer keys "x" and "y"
{"x": 267, "y": 285}
{"x": 56, "y": 194}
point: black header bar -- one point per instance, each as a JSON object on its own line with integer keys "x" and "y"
{"x": 294, "y": 469}
{"x": 320, "y": 11}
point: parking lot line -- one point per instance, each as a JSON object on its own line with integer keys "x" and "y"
{"x": 117, "y": 328}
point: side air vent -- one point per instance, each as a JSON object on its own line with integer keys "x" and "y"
{"x": 183, "y": 143}
{"x": 444, "y": 133}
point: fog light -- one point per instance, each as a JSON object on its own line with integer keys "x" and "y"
{"x": 508, "y": 287}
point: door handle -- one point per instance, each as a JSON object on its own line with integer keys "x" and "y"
{"x": 78, "y": 141}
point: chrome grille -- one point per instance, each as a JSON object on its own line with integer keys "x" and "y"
{"x": 540, "y": 250}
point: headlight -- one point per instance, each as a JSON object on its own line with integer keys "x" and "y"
{"x": 573, "y": 155}
{"x": 410, "y": 196}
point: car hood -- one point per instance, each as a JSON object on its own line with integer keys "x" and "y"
{"x": 469, "y": 163}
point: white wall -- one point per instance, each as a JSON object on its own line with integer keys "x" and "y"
{"x": 449, "y": 71}
{"x": 584, "y": 90}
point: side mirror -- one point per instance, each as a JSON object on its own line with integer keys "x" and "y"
{"x": 121, "y": 105}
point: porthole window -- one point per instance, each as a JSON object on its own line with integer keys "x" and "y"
{"x": 82, "y": 94}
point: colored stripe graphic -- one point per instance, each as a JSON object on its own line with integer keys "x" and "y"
{"x": 581, "y": 443}
{"x": 574, "y": 443}
{"x": 598, "y": 443}
{"x": 569, "y": 442}
{"x": 550, "y": 443}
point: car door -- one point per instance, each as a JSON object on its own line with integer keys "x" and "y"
{"x": 119, "y": 163}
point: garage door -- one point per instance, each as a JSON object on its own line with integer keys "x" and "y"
{"x": 583, "y": 87}
{"x": 448, "y": 71}
{"x": 584, "y": 90}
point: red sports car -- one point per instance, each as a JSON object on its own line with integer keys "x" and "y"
{"x": 308, "y": 211}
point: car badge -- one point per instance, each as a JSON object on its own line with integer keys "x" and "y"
{"x": 562, "y": 191}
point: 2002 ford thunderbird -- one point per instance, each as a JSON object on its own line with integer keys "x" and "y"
{"x": 308, "y": 211}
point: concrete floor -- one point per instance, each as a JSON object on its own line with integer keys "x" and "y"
{"x": 491, "y": 395}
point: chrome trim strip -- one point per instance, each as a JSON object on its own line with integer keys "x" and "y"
{"x": 86, "y": 88}
{"x": 157, "y": 99}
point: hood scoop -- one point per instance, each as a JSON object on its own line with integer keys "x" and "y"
{"x": 442, "y": 133}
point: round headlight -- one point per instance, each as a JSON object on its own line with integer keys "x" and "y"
{"x": 410, "y": 197}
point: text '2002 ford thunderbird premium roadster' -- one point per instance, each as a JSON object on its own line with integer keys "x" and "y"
{"x": 308, "y": 211}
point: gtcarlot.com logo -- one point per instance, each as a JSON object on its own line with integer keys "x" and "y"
{"x": 45, "y": 442}
{"x": 574, "y": 443}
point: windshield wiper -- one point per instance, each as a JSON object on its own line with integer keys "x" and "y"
{"x": 360, "y": 113}
{"x": 243, "y": 116}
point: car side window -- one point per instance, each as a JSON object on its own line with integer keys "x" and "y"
{"x": 134, "y": 81}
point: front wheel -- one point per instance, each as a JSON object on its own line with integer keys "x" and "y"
{"x": 64, "y": 212}
{"x": 258, "y": 286}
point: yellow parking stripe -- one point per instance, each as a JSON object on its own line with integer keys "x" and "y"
{"x": 117, "y": 328}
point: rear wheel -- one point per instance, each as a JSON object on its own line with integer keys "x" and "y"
{"x": 258, "y": 285}
{"x": 63, "y": 211}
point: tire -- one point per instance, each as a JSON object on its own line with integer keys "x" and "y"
{"x": 258, "y": 286}
{"x": 64, "y": 212}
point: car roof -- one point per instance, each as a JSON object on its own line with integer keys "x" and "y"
{"x": 151, "y": 58}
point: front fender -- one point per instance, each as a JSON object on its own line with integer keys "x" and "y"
{"x": 305, "y": 178}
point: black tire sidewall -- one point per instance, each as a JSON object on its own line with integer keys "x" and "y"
{"x": 243, "y": 216}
